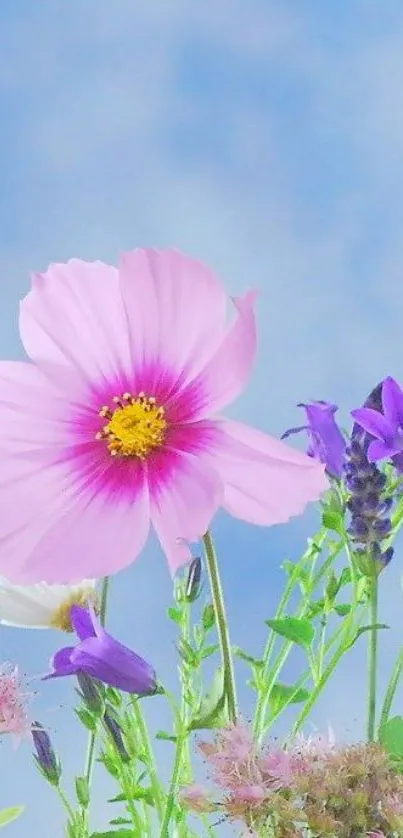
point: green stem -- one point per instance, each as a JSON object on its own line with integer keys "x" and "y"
{"x": 372, "y": 657}
{"x": 89, "y": 760}
{"x": 222, "y": 626}
{"x": 149, "y": 755}
{"x": 180, "y": 742}
{"x": 391, "y": 688}
{"x": 66, "y": 803}
{"x": 311, "y": 554}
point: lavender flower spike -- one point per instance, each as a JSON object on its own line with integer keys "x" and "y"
{"x": 386, "y": 427}
{"x": 99, "y": 655}
{"x": 368, "y": 505}
{"x": 327, "y": 443}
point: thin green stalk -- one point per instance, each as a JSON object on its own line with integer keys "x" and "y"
{"x": 322, "y": 644}
{"x": 66, "y": 803}
{"x": 149, "y": 755}
{"x": 89, "y": 760}
{"x": 222, "y": 626}
{"x": 391, "y": 688}
{"x": 372, "y": 656}
{"x": 170, "y": 803}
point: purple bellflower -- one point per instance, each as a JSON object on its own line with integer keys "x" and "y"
{"x": 370, "y": 522}
{"x": 385, "y": 425}
{"x": 326, "y": 441}
{"x": 100, "y": 656}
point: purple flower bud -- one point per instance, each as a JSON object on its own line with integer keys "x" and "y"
{"x": 45, "y": 756}
{"x": 192, "y": 589}
{"x": 114, "y": 730}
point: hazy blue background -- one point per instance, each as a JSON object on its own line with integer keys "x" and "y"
{"x": 265, "y": 138}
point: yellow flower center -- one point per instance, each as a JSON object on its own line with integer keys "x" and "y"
{"x": 61, "y": 616}
{"x": 135, "y": 427}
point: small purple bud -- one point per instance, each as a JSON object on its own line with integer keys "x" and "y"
{"x": 114, "y": 730}
{"x": 45, "y": 756}
{"x": 192, "y": 589}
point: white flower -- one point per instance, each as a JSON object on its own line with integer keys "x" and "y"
{"x": 41, "y": 605}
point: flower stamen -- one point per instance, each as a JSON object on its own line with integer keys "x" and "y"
{"x": 135, "y": 427}
{"x": 82, "y": 596}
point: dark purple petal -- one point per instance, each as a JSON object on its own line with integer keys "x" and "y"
{"x": 397, "y": 461}
{"x": 61, "y": 664}
{"x": 392, "y": 401}
{"x": 373, "y": 422}
{"x": 109, "y": 661}
{"x": 82, "y": 621}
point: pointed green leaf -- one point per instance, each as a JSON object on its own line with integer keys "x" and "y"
{"x": 343, "y": 609}
{"x": 391, "y": 736}
{"x": 211, "y": 708}
{"x": 208, "y": 617}
{"x": 282, "y": 694}
{"x": 363, "y": 629}
{"x": 10, "y": 814}
{"x": 113, "y": 833}
{"x": 300, "y": 631}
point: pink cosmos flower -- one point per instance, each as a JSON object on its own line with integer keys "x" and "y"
{"x": 115, "y": 422}
{"x": 13, "y": 713}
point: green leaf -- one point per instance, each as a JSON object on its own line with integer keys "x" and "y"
{"x": 282, "y": 694}
{"x": 116, "y": 833}
{"x": 315, "y": 608}
{"x": 363, "y": 629}
{"x": 391, "y": 736}
{"x": 332, "y": 520}
{"x": 10, "y": 814}
{"x": 119, "y": 821}
{"x": 86, "y": 718}
{"x": 166, "y": 737}
{"x": 208, "y": 617}
{"x": 345, "y": 577}
{"x": 300, "y": 631}
{"x": 188, "y": 654}
{"x": 332, "y": 587}
{"x": 239, "y": 653}
{"x": 209, "y": 650}
{"x": 210, "y": 711}
{"x": 342, "y": 610}
{"x": 176, "y": 615}
{"x": 113, "y": 696}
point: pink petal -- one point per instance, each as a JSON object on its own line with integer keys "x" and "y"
{"x": 185, "y": 493}
{"x": 266, "y": 481}
{"x": 227, "y": 372}
{"x": 32, "y": 410}
{"x": 74, "y": 315}
{"x": 95, "y": 537}
{"x": 175, "y": 309}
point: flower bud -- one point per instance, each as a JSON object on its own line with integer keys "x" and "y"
{"x": 114, "y": 730}
{"x": 45, "y": 756}
{"x": 91, "y": 692}
{"x": 192, "y": 587}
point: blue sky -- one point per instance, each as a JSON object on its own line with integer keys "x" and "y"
{"x": 265, "y": 138}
